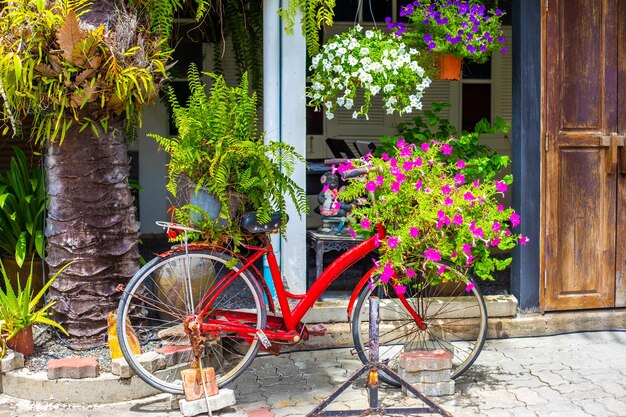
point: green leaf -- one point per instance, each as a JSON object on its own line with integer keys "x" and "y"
{"x": 20, "y": 249}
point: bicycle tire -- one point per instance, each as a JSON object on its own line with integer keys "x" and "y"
{"x": 455, "y": 322}
{"x": 153, "y": 302}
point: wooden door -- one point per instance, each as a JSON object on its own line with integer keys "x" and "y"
{"x": 583, "y": 181}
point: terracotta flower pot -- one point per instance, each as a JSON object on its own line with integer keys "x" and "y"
{"x": 449, "y": 67}
{"x": 23, "y": 341}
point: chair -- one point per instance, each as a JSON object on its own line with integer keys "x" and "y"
{"x": 340, "y": 148}
{"x": 363, "y": 147}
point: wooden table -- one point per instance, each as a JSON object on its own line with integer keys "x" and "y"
{"x": 322, "y": 243}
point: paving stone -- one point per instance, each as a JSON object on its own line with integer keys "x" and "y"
{"x": 120, "y": 367}
{"x": 428, "y": 360}
{"x": 261, "y": 412}
{"x": 223, "y": 399}
{"x": 436, "y": 389}
{"x": 11, "y": 361}
{"x": 73, "y": 368}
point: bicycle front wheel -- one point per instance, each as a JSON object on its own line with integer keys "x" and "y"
{"x": 166, "y": 292}
{"x": 456, "y": 321}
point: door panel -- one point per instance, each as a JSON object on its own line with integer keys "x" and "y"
{"x": 580, "y": 162}
{"x": 620, "y": 279}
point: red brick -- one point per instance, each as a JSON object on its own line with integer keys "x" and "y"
{"x": 74, "y": 368}
{"x": 425, "y": 360}
{"x": 176, "y": 354}
{"x": 260, "y": 412}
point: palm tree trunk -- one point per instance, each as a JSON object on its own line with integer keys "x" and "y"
{"x": 91, "y": 220}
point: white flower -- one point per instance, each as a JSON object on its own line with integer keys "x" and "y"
{"x": 349, "y": 103}
{"x": 318, "y": 86}
{"x": 375, "y": 89}
{"x": 389, "y": 110}
{"x": 333, "y": 46}
{"x": 392, "y": 100}
{"x": 338, "y": 68}
{"x": 414, "y": 100}
{"x": 407, "y": 109}
{"x": 414, "y": 66}
{"x": 329, "y": 115}
{"x": 387, "y": 63}
{"x": 355, "y": 115}
{"x": 340, "y": 101}
{"x": 393, "y": 53}
{"x": 358, "y": 27}
{"x": 341, "y": 51}
{"x": 352, "y": 60}
{"x": 412, "y": 51}
{"x": 387, "y": 88}
{"x": 328, "y": 104}
{"x": 365, "y": 51}
{"x": 315, "y": 61}
{"x": 369, "y": 34}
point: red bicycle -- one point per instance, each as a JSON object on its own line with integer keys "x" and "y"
{"x": 211, "y": 305}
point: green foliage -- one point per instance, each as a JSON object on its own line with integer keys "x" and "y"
{"x": 432, "y": 212}
{"x": 60, "y": 71}
{"x": 22, "y": 205}
{"x": 218, "y": 147}
{"x": 315, "y": 15}
{"x": 483, "y": 162}
{"x": 18, "y": 308}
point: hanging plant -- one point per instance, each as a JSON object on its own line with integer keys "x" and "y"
{"x": 370, "y": 63}
{"x": 465, "y": 29}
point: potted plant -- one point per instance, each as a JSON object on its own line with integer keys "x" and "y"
{"x": 433, "y": 213}
{"x": 453, "y": 29}
{"x": 218, "y": 150}
{"x": 22, "y": 207}
{"x": 367, "y": 63}
{"x": 19, "y": 311}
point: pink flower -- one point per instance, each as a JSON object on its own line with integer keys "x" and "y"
{"x": 496, "y": 226}
{"x": 446, "y": 149}
{"x": 478, "y": 232}
{"x": 406, "y": 152}
{"x": 469, "y": 196}
{"x": 448, "y": 201}
{"x": 407, "y": 165}
{"x": 376, "y": 241}
{"x": 418, "y": 185}
{"x": 410, "y": 273}
{"x": 496, "y": 241}
{"x": 460, "y": 164}
{"x": 395, "y": 186}
{"x": 467, "y": 249}
{"x": 432, "y": 255}
{"x": 401, "y": 143}
{"x": 414, "y": 232}
{"x": 441, "y": 270}
{"x": 523, "y": 240}
{"x": 418, "y": 162}
{"x": 515, "y": 219}
{"x": 336, "y": 205}
{"x": 393, "y": 162}
{"x": 470, "y": 286}
{"x": 459, "y": 179}
{"x": 352, "y": 232}
{"x": 476, "y": 183}
{"x": 384, "y": 157}
{"x": 424, "y": 147}
{"x": 453, "y": 255}
{"x": 470, "y": 259}
{"x": 392, "y": 242}
{"x": 376, "y": 263}
{"x": 457, "y": 220}
{"x": 500, "y": 207}
{"x": 445, "y": 189}
{"x": 507, "y": 233}
{"x": 380, "y": 180}
{"x": 365, "y": 223}
{"x": 400, "y": 289}
{"x": 400, "y": 178}
{"x": 387, "y": 273}
{"x": 501, "y": 187}
{"x": 325, "y": 188}
{"x": 333, "y": 169}
{"x": 371, "y": 186}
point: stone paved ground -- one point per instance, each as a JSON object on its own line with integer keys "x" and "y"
{"x": 569, "y": 375}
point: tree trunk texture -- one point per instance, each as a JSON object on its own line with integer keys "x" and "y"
{"x": 91, "y": 220}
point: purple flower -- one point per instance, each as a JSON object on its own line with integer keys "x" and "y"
{"x": 503, "y": 51}
{"x": 472, "y": 49}
{"x": 501, "y": 39}
{"x": 365, "y": 223}
{"x": 433, "y": 45}
{"x": 414, "y": 232}
{"x": 483, "y": 48}
{"x": 371, "y": 186}
{"x": 428, "y": 38}
{"x": 446, "y": 149}
{"x": 432, "y": 255}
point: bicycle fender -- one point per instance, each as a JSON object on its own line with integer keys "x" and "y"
{"x": 362, "y": 282}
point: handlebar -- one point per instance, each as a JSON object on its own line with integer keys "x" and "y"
{"x": 357, "y": 172}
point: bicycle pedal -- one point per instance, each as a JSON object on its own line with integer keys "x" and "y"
{"x": 317, "y": 330}
{"x": 263, "y": 339}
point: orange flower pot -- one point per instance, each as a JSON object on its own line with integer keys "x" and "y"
{"x": 23, "y": 342}
{"x": 449, "y": 67}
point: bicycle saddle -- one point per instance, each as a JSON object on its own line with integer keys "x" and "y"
{"x": 251, "y": 224}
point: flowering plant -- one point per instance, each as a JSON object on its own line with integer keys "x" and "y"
{"x": 432, "y": 213}
{"x": 369, "y": 61}
{"x": 462, "y": 28}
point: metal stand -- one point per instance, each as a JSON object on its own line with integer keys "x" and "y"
{"x": 373, "y": 367}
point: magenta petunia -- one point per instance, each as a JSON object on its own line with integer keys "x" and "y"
{"x": 446, "y": 149}
{"x": 469, "y": 196}
{"x": 400, "y": 289}
{"x": 352, "y": 232}
{"x": 448, "y": 201}
{"x": 432, "y": 255}
{"x": 400, "y": 178}
{"x": 496, "y": 226}
{"x": 418, "y": 162}
{"x": 365, "y": 223}
{"x": 371, "y": 186}
{"x": 469, "y": 287}
{"x": 376, "y": 241}
{"x": 410, "y": 273}
{"x": 501, "y": 186}
{"x": 395, "y": 186}
{"x": 384, "y": 157}
{"x": 407, "y": 165}
{"x": 380, "y": 180}
{"x": 460, "y": 164}
{"x": 392, "y": 242}
{"x": 459, "y": 179}
{"x": 515, "y": 219}
{"x": 470, "y": 259}
{"x": 446, "y": 189}
{"x": 500, "y": 207}
{"x": 376, "y": 263}
{"x": 414, "y": 232}
{"x": 406, "y": 152}
{"x": 418, "y": 185}
{"x": 387, "y": 273}
{"x": 457, "y": 220}
{"x": 476, "y": 183}
{"x": 495, "y": 242}
{"x": 467, "y": 249}
{"x": 424, "y": 147}
{"x": 393, "y": 162}
{"x": 441, "y": 270}
{"x": 523, "y": 240}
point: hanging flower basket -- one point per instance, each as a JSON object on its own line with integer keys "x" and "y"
{"x": 450, "y": 67}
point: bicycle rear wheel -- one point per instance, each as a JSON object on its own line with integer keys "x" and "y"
{"x": 456, "y": 321}
{"x": 164, "y": 293}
